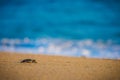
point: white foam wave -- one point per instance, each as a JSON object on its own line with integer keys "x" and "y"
{"x": 88, "y": 48}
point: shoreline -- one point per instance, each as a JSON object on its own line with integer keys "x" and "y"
{"x": 52, "y": 55}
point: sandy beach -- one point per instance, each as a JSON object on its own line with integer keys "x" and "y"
{"x": 57, "y": 68}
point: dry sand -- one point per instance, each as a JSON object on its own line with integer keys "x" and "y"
{"x": 57, "y": 68}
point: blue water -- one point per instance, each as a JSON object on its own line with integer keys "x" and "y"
{"x": 88, "y": 28}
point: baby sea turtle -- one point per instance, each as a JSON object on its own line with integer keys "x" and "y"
{"x": 28, "y": 61}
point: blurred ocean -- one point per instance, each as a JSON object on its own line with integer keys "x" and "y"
{"x": 88, "y": 28}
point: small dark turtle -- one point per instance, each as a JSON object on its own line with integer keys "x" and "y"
{"x": 28, "y": 61}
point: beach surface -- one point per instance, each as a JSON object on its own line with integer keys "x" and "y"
{"x": 57, "y": 68}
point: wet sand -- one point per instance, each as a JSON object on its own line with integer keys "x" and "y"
{"x": 57, "y": 68}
